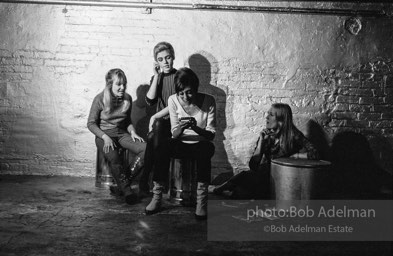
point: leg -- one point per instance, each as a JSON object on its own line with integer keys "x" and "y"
{"x": 137, "y": 148}
{"x": 202, "y": 151}
{"x": 206, "y": 152}
{"x": 160, "y": 175}
{"x": 160, "y": 132}
{"x": 117, "y": 170}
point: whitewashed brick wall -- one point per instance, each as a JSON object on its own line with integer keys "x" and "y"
{"x": 53, "y": 60}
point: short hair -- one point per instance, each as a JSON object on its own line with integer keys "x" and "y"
{"x": 163, "y": 46}
{"x": 109, "y": 77}
{"x": 186, "y": 77}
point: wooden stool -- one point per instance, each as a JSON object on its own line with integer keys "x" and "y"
{"x": 182, "y": 181}
{"x": 103, "y": 172}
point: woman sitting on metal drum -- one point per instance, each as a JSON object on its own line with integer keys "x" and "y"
{"x": 110, "y": 121}
{"x": 193, "y": 124}
{"x": 281, "y": 138}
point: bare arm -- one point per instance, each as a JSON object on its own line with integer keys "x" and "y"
{"x": 160, "y": 114}
{"x": 152, "y": 93}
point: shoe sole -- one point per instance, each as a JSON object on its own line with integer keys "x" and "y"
{"x": 200, "y": 217}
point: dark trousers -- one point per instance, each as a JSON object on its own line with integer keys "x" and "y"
{"x": 202, "y": 152}
{"x": 121, "y": 139}
{"x": 251, "y": 184}
{"x": 160, "y": 133}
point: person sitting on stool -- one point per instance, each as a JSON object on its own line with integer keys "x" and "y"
{"x": 193, "y": 127}
{"x": 110, "y": 121}
{"x": 161, "y": 87}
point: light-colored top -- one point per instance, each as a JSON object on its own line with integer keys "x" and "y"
{"x": 205, "y": 116}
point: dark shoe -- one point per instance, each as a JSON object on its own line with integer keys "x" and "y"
{"x": 115, "y": 190}
{"x": 218, "y": 190}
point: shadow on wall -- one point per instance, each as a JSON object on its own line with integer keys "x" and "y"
{"x": 318, "y": 137}
{"x": 204, "y": 64}
{"x": 355, "y": 173}
{"x": 142, "y": 126}
{"x": 383, "y": 151}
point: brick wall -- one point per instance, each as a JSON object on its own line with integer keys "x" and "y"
{"x": 53, "y": 60}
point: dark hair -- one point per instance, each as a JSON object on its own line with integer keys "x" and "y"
{"x": 111, "y": 74}
{"x": 186, "y": 77}
{"x": 287, "y": 128}
{"x": 163, "y": 46}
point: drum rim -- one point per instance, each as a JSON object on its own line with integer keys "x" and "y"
{"x": 322, "y": 163}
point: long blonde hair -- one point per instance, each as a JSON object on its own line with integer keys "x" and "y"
{"x": 287, "y": 129}
{"x": 109, "y": 78}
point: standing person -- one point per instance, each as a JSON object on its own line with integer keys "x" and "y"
{"x": 193, "y": 127}
{"x": 110, "y": 121}
{"x": 161, "y": 87}
{"x": 281, "y": 138}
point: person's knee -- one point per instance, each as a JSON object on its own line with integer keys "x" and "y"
{"x": 150, "y": 137}
{"x": 112, "y": 156}
{"x": 158, "y": 125}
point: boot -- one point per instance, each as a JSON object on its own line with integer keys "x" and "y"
{"x": 123, "y": 183}
{"x": 155, "y": 204}
{"x": 201, "y": 207}
{"x": 135, "y": 168}
{"x": 114, "y": 189}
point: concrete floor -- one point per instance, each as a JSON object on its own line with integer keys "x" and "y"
{"x": 70, "y": 216}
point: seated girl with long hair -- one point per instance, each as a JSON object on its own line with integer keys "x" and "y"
{"x": 281, "y": 138}
{"x": 110, "y": 121}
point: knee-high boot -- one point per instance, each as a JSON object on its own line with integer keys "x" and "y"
{"x": 123, "y": 182}
{"x": 201, "y": 207}
{"x": 155, "y": 204}
{"x": 135, "y": 168}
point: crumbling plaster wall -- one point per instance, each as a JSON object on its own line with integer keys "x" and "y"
{"x": 53, "y": 60}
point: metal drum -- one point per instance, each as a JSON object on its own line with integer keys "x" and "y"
{"x": 103, "y": 173}
{"x": 104, "y": 177}
{"x": 296, "y": 181}
{"x": 182, "y": 182}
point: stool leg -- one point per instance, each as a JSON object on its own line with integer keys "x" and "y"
{"x": 201, "y": 208}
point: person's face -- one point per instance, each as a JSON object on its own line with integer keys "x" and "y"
{"x": 118, "y": 88}
{"x": 187, "y": 95}
{"x": 271, "y": 121}
{"x": 165, "y": 61}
